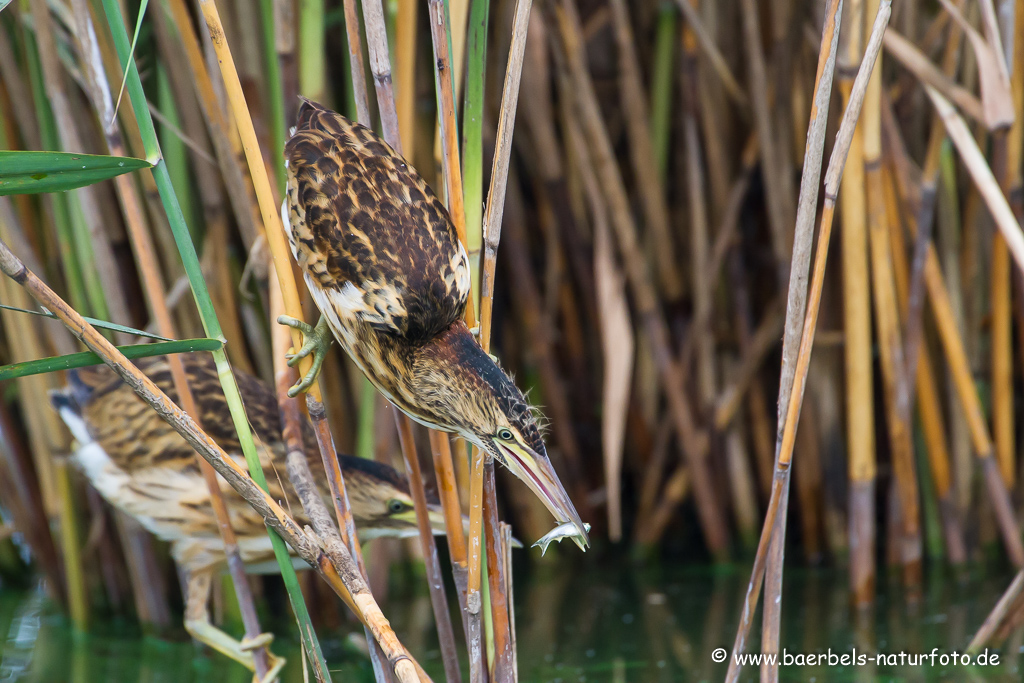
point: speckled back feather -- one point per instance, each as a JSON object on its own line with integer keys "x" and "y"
{"x": 367, "y": 228}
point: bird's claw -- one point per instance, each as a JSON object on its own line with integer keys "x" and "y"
{"x": 275, "y": 663}
{"x": 256, "y": 642}
{"x": 316, "y": 341}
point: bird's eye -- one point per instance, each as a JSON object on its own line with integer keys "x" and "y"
{"x": 396, "y": 506}
{"x": 505, "y": 434}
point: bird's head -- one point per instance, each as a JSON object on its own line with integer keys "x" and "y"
{"x": 469, "y": 394}
{"x": 381, "y": 502}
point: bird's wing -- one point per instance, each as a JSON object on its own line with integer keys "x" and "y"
{"x": 368, "y": 231}
{"x": 135, "y": 436}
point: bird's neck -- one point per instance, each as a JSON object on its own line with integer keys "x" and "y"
{"x": 449, "y": 368}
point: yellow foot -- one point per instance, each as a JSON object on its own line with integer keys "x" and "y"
{"x": 316, "y": 341}
{"x": 240, "y": 651}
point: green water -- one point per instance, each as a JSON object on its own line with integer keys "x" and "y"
{"x": 574, "y": 626}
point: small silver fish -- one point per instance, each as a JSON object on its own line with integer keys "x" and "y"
{"x": 567, "y": 530}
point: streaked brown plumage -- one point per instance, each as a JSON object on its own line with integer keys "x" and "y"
{"x": 143, "y": 467}
{"x": 385, "y": 267}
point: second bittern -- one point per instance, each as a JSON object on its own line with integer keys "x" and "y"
{"x": 143, "y": 467}
{"x": 384, "y": 264}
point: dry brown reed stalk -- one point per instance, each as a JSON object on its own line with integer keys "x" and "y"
{"x": 713, "y": 54}
{"x": 707, "y": 384}
{"x": 645, "y": 297}
{"x": 438, "y": 599}
{"x": 982, "y": 175}
{"x": 380, "y": 67}
{"x": 756, "y": 347}
{"x": 501, "y": 668}
{"x": 956, "y": 357}
{"x": 857, "y": 327}
{"x": 890, "y": 343}
{"x": 355, "y": 58}
{"x": 776, "y": 173}
{"x": 380, "y": 62}
{"x": 282, "y": 262}
{"x": 773, "y": 552}
{"x": 223, "y": 132}
{"x": 405, "y": 49}
{"x": 1007, "y": 150}
{"x": 929, "y": 406}
{"x": 343, "y": 578}
{"x": 798, "y": 373}
{"x": 298, "y": 465}
{"x": 633, "y": 101}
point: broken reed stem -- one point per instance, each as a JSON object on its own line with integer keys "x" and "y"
{"x": 344, "y": 578}
{"x": 780, "y": 483}
{"x": 981, "y": 174}
{"x": 999, "y": 614}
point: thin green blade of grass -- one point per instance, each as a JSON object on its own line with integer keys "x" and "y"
{"x": 95, "y": 322}
{"x": 131, "y": 51}
{"x": 211, "y": 324}
{"x": 87, "y": 358}
{"x": 23, "y": 172}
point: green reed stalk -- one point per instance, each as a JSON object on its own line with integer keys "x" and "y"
{"x": 312, "y": 65}
{"x": 211, "y": 325}
{"x": 173, "y": 149}
{"x": 365, "y": 436}
{"x": 472, "y": 138}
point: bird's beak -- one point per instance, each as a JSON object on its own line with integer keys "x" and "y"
{"x": 536, "y": 470}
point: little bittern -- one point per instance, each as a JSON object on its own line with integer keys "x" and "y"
{"x": 140, "y": 465}
{"x": 384, "y": 264}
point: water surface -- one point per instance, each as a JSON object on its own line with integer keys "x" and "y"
{"x": 574, "y": 626}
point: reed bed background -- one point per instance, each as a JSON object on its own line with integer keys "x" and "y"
{"x": 642, "y": 244}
